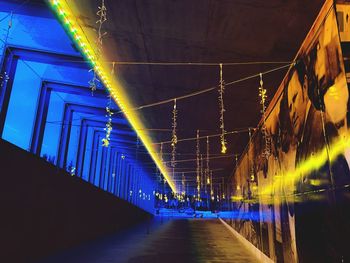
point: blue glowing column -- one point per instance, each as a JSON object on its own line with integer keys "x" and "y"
{"x": 133, "y": 186}
{"x": 82, "y": 148}
{"x": 64, "y": 138}
{"x": 131, "y": 173}
{"x": 94, "y": 151}
{"x": 108, "y": 169}
{"x": 40, "y": 120}
{"x": 113, "y": 172}
{"x": 102, "y": 170}
{"x": 119, "y": 174}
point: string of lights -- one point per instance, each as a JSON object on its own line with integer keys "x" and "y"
{"x": 207, "y": 169}
{"x": 263, "y": 96}
{"x": 174, "y": 137}
{"x": 222, "y": 111}
{"x": 198, "y": 168}
{"x": 102, "y": 18}
{"x": 108, "y": 128}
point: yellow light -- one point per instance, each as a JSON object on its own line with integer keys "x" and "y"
{"x": 223, "y": 147}
{"x": 312, "y": 163}
{"x": 112, "y": 84}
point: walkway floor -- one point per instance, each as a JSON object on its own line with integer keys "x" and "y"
{"x": 167, "y": 240}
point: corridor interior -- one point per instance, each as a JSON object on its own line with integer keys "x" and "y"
{"x": 174, "y": 131}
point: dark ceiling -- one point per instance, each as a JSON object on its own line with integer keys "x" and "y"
{"x": 201, "y": 31}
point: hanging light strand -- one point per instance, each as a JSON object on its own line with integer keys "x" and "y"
{"x": 108, "y": 128}
{"x": 251, "y": 168}
{"x": 102, "y": 18}
{"x": 183, "y": 184}
{"x": 263, "y": 96}
{"x": 102, "y": 15}
{"x": 198, "y": 168}
{"x": 161, "y": 152}
{"x": 113, "y": 68}
{"x": 207, "y": 178}
{"x": 222, "y": 111}
{"x": 211, "y": 186}
{"x": 201, "y": 171}
{"x": 174, "y": 136}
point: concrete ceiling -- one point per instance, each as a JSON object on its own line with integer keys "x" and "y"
{"x": 200, "y": 31}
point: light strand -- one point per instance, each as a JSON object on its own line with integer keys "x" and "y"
{"x": 251, "y": 168}
{"x": 161, "y": 152}
{"x": 198, "y": 168}
{"x": 102, "y": 18}
{"x": 108, "y": 128}
{"x": 183, "y": 184}
{"x": 222, "y": 111}
{"x": 263, "y": 96}
{"x": 174, "y": 136}
{"x": 201, "y": 170}
{"x": 207, "y": 162}
{"x": 113, "y": 68}
{"x": 211, "y": 186}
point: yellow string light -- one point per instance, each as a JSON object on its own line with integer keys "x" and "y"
{"x": 108, "y": 128}
{"x": 207, "y": 169}
{"x": 111, "y": 83}
{"x": 198, "y": 168}
{"x": 174, "y": 136}
{"x": 222, "y": 110}
{"x": 263, "y": 97}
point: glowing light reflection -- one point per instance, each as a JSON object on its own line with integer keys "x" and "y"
{"x": 69, "y": 21}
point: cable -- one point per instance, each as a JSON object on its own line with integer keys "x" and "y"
{"x": 206, "y": 90}
{"x": 197, "y": 63}
{"x": 17, "y": 8}
{"x": 209, "y": 136}
{"x": 191, "y": 160}
{"x": 140, "y": 63}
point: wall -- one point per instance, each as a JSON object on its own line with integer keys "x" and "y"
{"x": 44, "y": 209}
{"x": 295, "y": 172}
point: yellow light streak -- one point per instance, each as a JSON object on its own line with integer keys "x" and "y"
{"x": 267, "y": 194}
{"x": 74, "y": 29}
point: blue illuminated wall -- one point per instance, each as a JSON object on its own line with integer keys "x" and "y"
{"x": 47, "y": 107}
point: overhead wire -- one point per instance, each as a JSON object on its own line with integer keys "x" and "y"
{"x": 209, "y": 136}
{"x": 199, "y": 92}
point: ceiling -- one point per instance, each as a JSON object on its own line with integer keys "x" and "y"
{"x": 209, "y": 31}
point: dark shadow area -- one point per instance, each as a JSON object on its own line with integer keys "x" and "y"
{"x": 45, "y": 209}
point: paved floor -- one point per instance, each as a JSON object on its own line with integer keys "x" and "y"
{"x": 168, "y": 240}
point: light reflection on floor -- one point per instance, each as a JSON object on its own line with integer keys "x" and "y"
{"x": 164, "y": 239}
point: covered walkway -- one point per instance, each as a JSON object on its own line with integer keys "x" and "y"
{"x": 163, "y": 240}
{"x": 174, "y": 131}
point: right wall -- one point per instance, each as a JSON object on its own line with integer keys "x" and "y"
{"x": 290, "y": 190}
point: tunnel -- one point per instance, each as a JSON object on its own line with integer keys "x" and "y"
{"x": 174, "y": 131}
